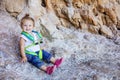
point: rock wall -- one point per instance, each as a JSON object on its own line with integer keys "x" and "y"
{"x": 64, "y": 25}
{"x": 97, "y": 16}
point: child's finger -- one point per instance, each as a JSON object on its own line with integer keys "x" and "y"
{"x": 23, "y": 61}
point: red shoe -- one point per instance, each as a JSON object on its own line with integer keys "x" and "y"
{"x": 50, "y": 69}
{"x": 58, "y": 62}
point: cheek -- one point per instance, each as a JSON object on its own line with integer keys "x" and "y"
{"x": 31, "y": 27}
{"x": 24, "y": 27}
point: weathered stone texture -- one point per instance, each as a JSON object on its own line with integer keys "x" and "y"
{"x": 65, "y": 26}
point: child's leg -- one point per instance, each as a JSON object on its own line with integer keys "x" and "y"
{"x": 57, "y": 62}
{"x": 52, "y": 59}
{"x": 43, "y": 67}
{"x": 48, "y": 57}
{"x": 34, "y": 60}
{"x": 49, "y": 70}
{"x": 40, "y": 64}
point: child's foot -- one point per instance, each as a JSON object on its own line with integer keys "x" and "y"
{"x": 58, "y": 62}
{"x": 50, "y": 69}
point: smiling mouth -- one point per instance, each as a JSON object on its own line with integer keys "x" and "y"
{"x": 27, "y": 29}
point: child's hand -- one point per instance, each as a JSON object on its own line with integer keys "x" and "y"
{"x": 24, "y": 59}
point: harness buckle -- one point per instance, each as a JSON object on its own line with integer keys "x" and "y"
{"x": 36, "y": 43}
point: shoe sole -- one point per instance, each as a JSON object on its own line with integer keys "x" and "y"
{"x": 54, "y": 67}
{"x": 60, "y": 63}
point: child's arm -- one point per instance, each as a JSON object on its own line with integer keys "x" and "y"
{"x": 22, "y": 45}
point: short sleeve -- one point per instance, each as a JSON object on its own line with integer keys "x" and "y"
{"x": 24, "y": 37}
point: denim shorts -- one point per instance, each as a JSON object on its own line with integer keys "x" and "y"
{"x": 34, "y": 60}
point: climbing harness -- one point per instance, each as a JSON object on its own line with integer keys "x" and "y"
{"x": 31, "y": 38}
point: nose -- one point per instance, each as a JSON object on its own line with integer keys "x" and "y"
{"x": 27, "y": 26}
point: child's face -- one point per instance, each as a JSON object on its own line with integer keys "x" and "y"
{"x": 27, "y": 26}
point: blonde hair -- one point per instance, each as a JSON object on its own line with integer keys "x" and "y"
{"x": 27, "y": 17}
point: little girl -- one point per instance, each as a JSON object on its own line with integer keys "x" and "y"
{"x": 30, "y": 47}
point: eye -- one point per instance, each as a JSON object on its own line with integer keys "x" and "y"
{"x": 25, "y": 25}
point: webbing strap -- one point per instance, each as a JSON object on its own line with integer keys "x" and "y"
{"x": 33, "y": 53}
{"x": 39, "y": 35}
{"x": 29, "y": 52}
{"x": 40, "y": 54}
{"x": 30, "y": 37}
{"x": 33, "y": 44}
